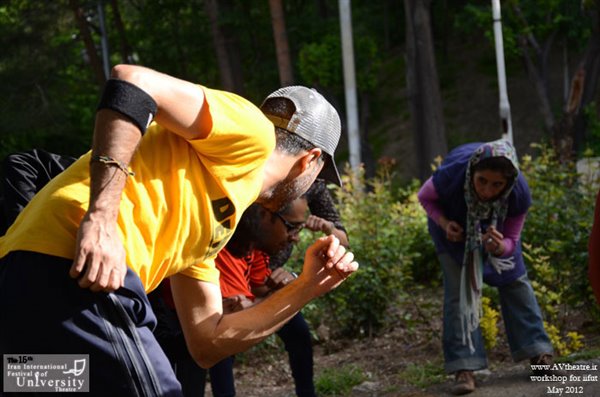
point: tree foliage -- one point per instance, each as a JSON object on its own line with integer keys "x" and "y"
{"x": 49, "y": 91}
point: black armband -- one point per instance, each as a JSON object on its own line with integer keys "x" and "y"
{"x": 129, "y": 100}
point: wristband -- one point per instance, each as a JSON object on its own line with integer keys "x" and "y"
{"x": 129, "y": 100}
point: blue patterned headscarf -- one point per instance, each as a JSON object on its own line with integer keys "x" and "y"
{"x": 496, "y": 210}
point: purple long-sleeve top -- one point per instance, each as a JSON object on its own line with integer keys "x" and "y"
{"x": 428, "y": 197}
{"x": 444, "y": 194}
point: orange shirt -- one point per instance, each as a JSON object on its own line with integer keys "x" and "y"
{"x": 239, "y": 275}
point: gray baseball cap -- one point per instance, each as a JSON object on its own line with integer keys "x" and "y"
{"x": 315, "y": 120}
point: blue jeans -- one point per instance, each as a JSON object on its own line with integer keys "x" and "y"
{"x": 295, "y": 335}
{"x": 520, "y": 311}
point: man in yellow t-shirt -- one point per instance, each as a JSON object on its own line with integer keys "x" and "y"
{"x": 135, "y": 210}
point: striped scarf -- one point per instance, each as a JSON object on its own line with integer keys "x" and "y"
{"x": 471, "y": 280}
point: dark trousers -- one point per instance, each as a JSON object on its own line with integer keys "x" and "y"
{"x": 44, "y": 311}
{"x": 295, "y": 335}
{"x": 169, "y": 335}
{"x": 221, "y": 378}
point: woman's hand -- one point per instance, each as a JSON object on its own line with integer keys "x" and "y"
{"x": 492, "y": 241}
{"x": 454, "y": 231}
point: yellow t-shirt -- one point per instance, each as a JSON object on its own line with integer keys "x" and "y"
{"x": 181, "y": 206}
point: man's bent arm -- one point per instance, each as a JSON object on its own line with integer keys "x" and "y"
{"x": 179, "y": 109}
{"x": 212, "y": 336}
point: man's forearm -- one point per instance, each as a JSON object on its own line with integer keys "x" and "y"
{"x": 212, "y": 336}
{"x": 117, "y": 138}
{"x": 244, "y": 329}
{"x": 99, "y": 252}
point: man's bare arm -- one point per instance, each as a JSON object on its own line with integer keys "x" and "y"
{"x": 179, "y": 108}
{"x": 212, "y": 336}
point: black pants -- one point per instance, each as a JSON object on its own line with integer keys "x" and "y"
{"x": 44, "y": 311}
{"x": 295, "y": 335}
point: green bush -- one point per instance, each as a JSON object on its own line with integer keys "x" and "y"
{"x": 558, "y": 227}
{"x": 387, "y": 230}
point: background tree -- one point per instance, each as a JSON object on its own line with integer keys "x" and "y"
{"x": 86, "y": 36}
{"x": 124, "y": 46}
{"x": 423, "y": 87}
{"x": 547, "y": 35}
{"x": 589, "y": 67}
{"x": 284, "y": 60}
{"x": 48, "y": 90}
{"x": 219, "y": 41}
{"x": 49, "y": 81}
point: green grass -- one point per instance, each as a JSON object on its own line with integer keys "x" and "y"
{"x": 423, "y": 375}
{"x": 339, "y": 381}
{"x": 581, "y": 355}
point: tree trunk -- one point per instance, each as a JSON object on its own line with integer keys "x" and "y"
{"x": 90, "y": 47}
{"x": 366, "y": 152}
{"x": 125, "y": 48}
{"x": 231, "y": 44}
{"x": 539, "y": 79}
{"x": 591, "y": 67}
{"x": 537, "y": 69}
{"x": 569, "y": 132}
{"x": 284, "y": 60}
{"x": 228, "y": 55}
{"x": 225, "y": 70}
{"x": 322, "y": 9}
{"x": 423, "y": 87}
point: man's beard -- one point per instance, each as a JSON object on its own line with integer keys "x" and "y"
{"x": 286, "y": 191}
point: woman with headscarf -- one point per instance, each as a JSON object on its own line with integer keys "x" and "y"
{"x": 476, "y": 202}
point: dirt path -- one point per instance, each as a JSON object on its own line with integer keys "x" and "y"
{"x": 511, "y": 382}
{"x": 273, "y": 378}
{"x": 407, "y": 361}
{"x": 516, "y": 382}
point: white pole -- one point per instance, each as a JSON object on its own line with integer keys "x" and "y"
{"x": 350, "y": 83}
{"x": 504, "y": 105}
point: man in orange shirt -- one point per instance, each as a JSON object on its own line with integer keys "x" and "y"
{"x": 246, "y": 279}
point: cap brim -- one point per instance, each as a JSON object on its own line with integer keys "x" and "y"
{"x": 330, "y": 172}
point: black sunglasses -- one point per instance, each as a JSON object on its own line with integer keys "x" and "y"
{"x": 292, "y": 228}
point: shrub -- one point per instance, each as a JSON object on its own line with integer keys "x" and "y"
{"x": 489, "y": 323}
{"x": 557, "y": 229}
{"x": 388, "y": 235}
{"x": 555, "y": 240}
